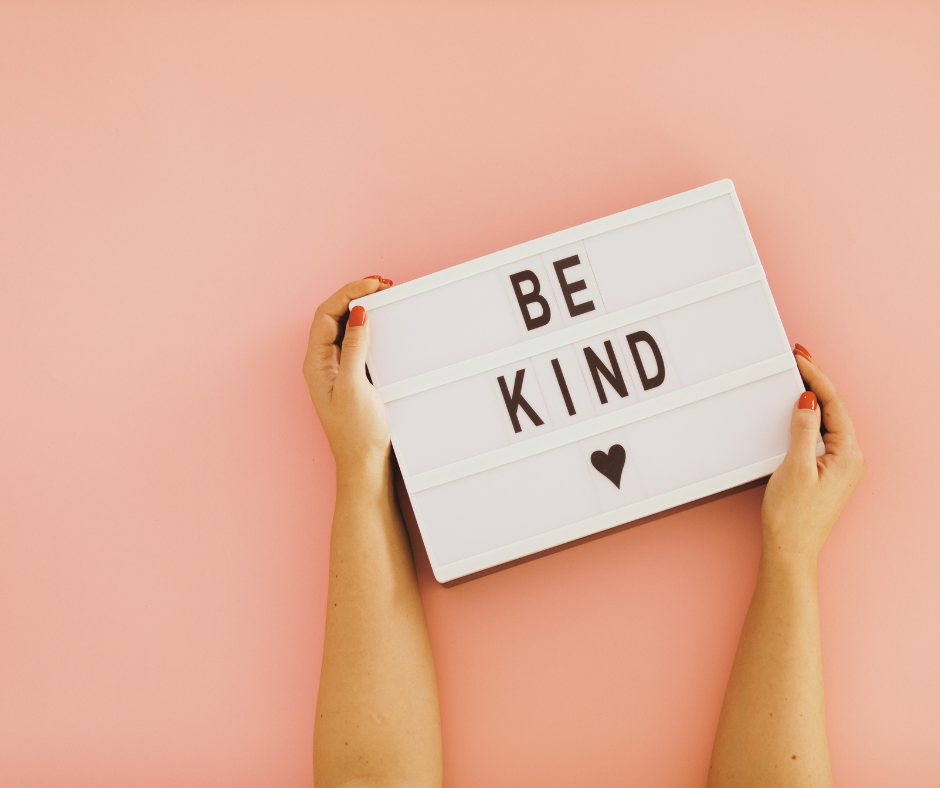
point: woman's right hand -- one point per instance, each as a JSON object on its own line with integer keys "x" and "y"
{"x": 806, "y": 494}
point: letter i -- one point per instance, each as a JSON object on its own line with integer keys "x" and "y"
{"x": 563, "y": 386}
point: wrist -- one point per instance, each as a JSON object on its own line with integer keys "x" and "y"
{"x": 780, "y": 557}
{"x": 363, "y": 474}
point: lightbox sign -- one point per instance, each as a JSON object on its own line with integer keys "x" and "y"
{"x": 583, "y": 380}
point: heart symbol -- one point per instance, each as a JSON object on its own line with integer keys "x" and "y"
{"x": 611, "y": 463}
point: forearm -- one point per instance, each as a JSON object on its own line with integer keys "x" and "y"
{"x": 377, "y": 718}
{"x": 772, "y": 730}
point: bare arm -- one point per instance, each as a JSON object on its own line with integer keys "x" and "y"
{"x": 772, "y": 729}
{"x": 377, "y": 718}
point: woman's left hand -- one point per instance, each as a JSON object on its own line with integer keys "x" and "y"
{"x": 348, "y": 405}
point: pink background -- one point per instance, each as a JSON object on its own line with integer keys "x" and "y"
{"x": 181, "y": 186}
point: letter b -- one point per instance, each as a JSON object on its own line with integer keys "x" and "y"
{"x": 532, "y": 297}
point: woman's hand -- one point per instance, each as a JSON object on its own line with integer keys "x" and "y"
{"x": 348, "y": 405}
{"x": 772, "y": 729}
{"x": 377, "y": 720}
{"x": 806, "y": 494}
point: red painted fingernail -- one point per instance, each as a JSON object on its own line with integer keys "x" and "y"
{"x": 374, "y": 276}
{"x": 807, "y": 401}
{"x": 804, "y": 350}
{"x": 357, "y": 317}
{"x": 386, "y": 281}
{"x": 799, "y": 352}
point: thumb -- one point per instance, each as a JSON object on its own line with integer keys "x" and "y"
{"x": 352, "y": 361}
{"x": 804, "y": 430}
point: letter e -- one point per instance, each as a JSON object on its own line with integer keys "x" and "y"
{"x": 567, "y": 288}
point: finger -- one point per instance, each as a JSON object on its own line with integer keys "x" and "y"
{"x": 839, "y": 428}
{"x": 804, "y": 431}
{"x": 321, "y": 363}
{"x": 325, "y": 326}
{"x": 352, "y": 360}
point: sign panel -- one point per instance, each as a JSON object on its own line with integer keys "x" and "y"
{"x": 583, "y": 380}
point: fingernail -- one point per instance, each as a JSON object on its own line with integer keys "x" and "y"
{"x": 804, "y": 351}
{"x": 385, "y": 281}
{"x": 807, "y": 401}
{"x": 799, "y": 352}
{"x": 357, "y": 317}
{"x": 374, "y": 276}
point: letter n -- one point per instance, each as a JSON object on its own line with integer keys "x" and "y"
{"x": 614, "y": 374}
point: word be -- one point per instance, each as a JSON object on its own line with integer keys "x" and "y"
{"x": 534, "y": 296}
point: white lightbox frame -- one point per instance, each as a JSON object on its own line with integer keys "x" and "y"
{"x": 783, "y": 363}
